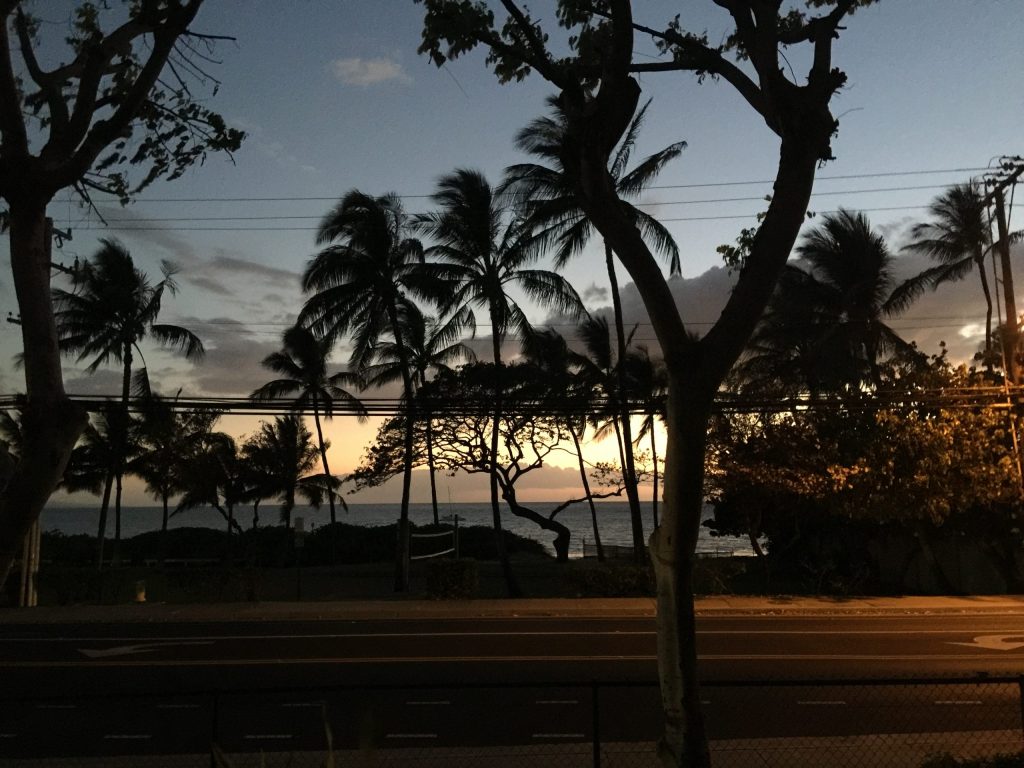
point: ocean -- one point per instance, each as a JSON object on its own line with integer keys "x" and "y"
{"x": 613, "y": 521}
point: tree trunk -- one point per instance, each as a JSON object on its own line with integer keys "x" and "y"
{"x": 586, "y": 490}
{"x": 101, "y": 534}
{"x": 115, "y": 550}
{"x": 402, "y": 545}
{"x": 430, "y": 468}
{"x": 511, "y": 583}
{"x": 562, "y": 534}
{"x": 163, "y": 529}
{"x": 980, "y": 261}
{"x": 121, "y": 447}
{"x": 672, "y": 547}
{"x": 629, "y": 466}
{"x": 52, "y": 422}
{"x": 323, "y": 459}
{"x": 654, "y": 461}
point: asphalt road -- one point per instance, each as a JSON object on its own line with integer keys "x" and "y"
{"x": 128, "y": 688}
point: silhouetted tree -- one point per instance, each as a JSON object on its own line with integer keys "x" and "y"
{"x": 593, "y": 71}
{"x": 104, "y": 108}
{"x": 302, "y": 366}
{"x": 485, "y": 247}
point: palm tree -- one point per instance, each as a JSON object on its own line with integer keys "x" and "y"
{"x": 430, "y": 346}
{"x": 361, "y": 282}
{"x": 648, "y": 383}
{"x": 825, "y": 328}
{"x": 571, "y": 393}
{"x": 550, "y": 196}
{"x": 601, "y": 370}
{"x": 283, "y": 455}
{"x": 958, "y": 237}
{"x": 215, "y": 476}
{"x": 302, "y": 367}
{"x": 487, "y": 252}
{"x": 109, "y": 310}
{"x": 166, "y": 438}
{"x": 90, "y": 469}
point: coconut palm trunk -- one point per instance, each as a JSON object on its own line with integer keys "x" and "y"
{"x": 586, "y": 490}
{"x": 654, "y": 463}
{"x": 101, "y": 533}
{"x": 120, "y": 448}
{"x": 511, "y": 583}
{"x": 402, "y": 552}
{"x": 980, "y": 260}
{"x": 323, "y": 460}
{"x": 626, "y": 443}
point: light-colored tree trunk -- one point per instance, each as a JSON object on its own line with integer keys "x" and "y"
{"x": 52, "y": 423}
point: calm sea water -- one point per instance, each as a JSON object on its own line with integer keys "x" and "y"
{"x": 613, "y": 521}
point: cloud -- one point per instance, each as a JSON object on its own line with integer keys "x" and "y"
{"x": 105, "y": 382}
{"x": 367, "y": 72}
{"x": 231, "y": 366}
{"x": 595, "y": 292}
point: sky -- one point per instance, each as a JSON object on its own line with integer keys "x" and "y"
{"x": 334, "y": 97}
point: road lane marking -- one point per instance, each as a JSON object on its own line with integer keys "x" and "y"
{"x": 957, "y": 702}
{"x": 430, "y": 703}
{"x": 207, "y": 639}
{"x": 557, "y": 735}
{"x": 996, "y": 642}
{"x": 817, "y": 703}
{"x": 127, "y": 650}
{"x": 8, "y": 735}
{"x": 556, "y": 701}
{"x": 573, "y": 658}
{"x": 411, "y": 736}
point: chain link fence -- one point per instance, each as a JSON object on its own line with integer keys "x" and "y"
{"x": 788, "y": 724}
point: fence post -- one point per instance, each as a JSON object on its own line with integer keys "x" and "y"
{"x": 596, "y": 723}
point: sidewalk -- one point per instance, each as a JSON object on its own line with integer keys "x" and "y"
{"x": 468, "y": 609}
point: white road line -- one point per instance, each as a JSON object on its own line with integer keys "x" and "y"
{"x": 128, "y": 736}
{"x": 815, "y": 703}
{"x": 522, "y": 633}
{"x": 7, "y": 735}
{"x": 557, "y": 735}
{"x": 556, "y": 701}
{"x": 705, "y": 701}
{"x": 411, "y": 736}
{"x": 956, "y": 702}
{"x": 267, "y": 736}
{"x": 549, "y": 658}
{"x": 432, "y": 703}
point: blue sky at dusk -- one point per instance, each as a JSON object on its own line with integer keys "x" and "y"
{"x": 334, "y": 96}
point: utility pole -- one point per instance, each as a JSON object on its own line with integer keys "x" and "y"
{"x": 1011, "y": 169}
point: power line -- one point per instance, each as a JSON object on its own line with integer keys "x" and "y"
{"x": 747, "y": 216}
{"x": 653, "y": 204}
{"x": 699, "y": 185}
